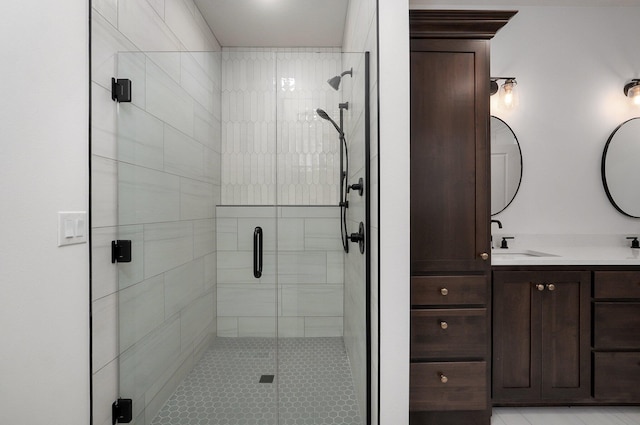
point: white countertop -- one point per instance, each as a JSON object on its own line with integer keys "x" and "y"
{"x": 565, "y": 250}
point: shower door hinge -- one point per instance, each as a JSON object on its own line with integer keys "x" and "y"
{"x": 121, "y": 251}
{"x": 122, "y": 411}
{"x": 121, "y": 90}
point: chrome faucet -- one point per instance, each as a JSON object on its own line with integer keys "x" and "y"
{"x": 499, "y": 227}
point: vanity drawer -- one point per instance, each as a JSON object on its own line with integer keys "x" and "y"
{"x": 617, "y": 377}
{"x": 616, "y": 325}
{"x": 448, "y": 386}
{"x": 448, "y": 333}
{"x": 622, "y": 285}
{"x": 448, "y": 290}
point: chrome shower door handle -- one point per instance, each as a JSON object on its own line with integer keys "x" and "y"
{"x": 257, "y": 252}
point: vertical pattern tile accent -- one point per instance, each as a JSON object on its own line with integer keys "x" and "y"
{"x": 273, "y": 142}
{"x": 305, "y": 298}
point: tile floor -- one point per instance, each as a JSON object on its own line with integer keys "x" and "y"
{"x": 312, "y": 374}
{"x": 566, "y": 416}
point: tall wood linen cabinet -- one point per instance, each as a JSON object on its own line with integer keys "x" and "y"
{"x": 450, "y": 216}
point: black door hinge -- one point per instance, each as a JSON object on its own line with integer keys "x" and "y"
{"x": 121, "y": 251}
{"x": 122, "y": 411}
{"x": 121, "y": 90}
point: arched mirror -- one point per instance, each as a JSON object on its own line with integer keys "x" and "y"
{"x": 506, "y": 165}
{"x": 620, "y": 168}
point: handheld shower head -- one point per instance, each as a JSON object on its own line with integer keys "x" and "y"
{"x": 322, "y": 114}
{"x": 334, "y": 82}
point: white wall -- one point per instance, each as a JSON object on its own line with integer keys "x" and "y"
{"x": 571, "y": 64}
{"x": 44, "y": 319}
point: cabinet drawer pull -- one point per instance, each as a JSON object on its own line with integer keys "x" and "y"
{"x": 551, "y": 287}
{"x": 444, "y": 325}
{"x": 443, "y": 378}
{"x": 444, "y": 292}
{"x": 540, "y": 287}
{"x": 484, "y": 256}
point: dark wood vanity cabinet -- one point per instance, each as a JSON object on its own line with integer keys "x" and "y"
{"x": 541, "y": 337}
{"x": 450, "y": 215}
{"x": 616, "y": 336}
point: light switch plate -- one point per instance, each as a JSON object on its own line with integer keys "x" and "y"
{"x": 71, "y": 227}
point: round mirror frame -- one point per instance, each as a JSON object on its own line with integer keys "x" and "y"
{"x": 521, "y": 164}
{"x": 603, "y": 169}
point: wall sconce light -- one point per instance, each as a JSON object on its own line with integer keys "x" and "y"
{"x": 507, "y": 92}
{"x": 632, "y": 91}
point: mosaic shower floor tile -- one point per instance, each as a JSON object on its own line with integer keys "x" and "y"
{"x": 239, "y": 382}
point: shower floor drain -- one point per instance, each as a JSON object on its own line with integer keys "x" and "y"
{"x": 267, "y": 379}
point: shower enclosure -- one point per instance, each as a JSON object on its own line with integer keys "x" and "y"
{"x": 241, "y": 304}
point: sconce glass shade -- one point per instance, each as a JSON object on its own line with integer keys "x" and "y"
{"x": 633, "y": 92}
{"x": 508, "y": 94}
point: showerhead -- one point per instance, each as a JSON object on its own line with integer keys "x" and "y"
{"x": 322, "y": 114}
{"x": 334, "y": 82}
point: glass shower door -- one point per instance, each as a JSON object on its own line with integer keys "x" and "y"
{"x": 178, "y": 360}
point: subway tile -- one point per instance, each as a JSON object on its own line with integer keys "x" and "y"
{"x": 105, "y": 391}
{"x": 305, "y": 267}
{"x": 291, "y": 234}
{"x": 132, "y": 65}
{"x": 290, "y": 327}
{"x": 106, "y": 41}
{"x": 103, "y": 123}
{"x": 167, "y": 245}
{"x": 204, "y": 237}
{"x": 247, "y": 300}
{"x": 206, "y": 128}
{"x": 183, "y": 24}
{"x": 195, "y": 319}
{"x": 227, "y": 326}
{"x": 237, "y": 267}
{"x": 140, "y": 22}
{"x": 108, "y": 9}
{"x": 312, "y": 300}
{"x": 196, "y": 199}
{"x": 182, "y": 286}
{"x": 168, "y": 62}
{"x": 335, "y": 267}
{"x": 210, "y": 271}
{"x": 227, "y": 234}
{"x": 133, "y": 272}
{"x": 140, "y": 310}
{"x": 196, "y": 81}
{"x": 322, "y": 233}
{"x": 104, "y": 274}
{"x": 168, "y": 101}
{"x": 142, "y": 366}
{"x": 104, "y": 331}
{"x": 322, "y": 326}
{"x": 257, "y": 327}
{"x": 104, "y": 189}
{"x": 140, "y": 137}
{"x": 182, "y": 155}
{"x": 147, "y": 195}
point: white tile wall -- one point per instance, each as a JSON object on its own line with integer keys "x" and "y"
{"x": 283, "y": 86}
{"x": 154, "y": 174}
{"x": 306, "y": 298}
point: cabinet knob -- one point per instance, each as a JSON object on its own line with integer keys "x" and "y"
{"x": 444, "y": 292}
{"x": 484, "y": 256}
{"x": 444, "y": 325}
{"x": 551, "y": 287}
{"x": 540, "y": 287}
{"x": 443, "y": 378}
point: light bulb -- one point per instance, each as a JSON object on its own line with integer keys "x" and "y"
{"x": 509, "y": 94}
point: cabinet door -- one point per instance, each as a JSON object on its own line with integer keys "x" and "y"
{"x": 541, "y": 347}
{"x": 566, "y": 312}
{"x": 516, "y": 333}
{"x": 449, "y": 155}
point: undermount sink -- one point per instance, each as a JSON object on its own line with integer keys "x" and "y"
{"x": 507, "y": 254}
